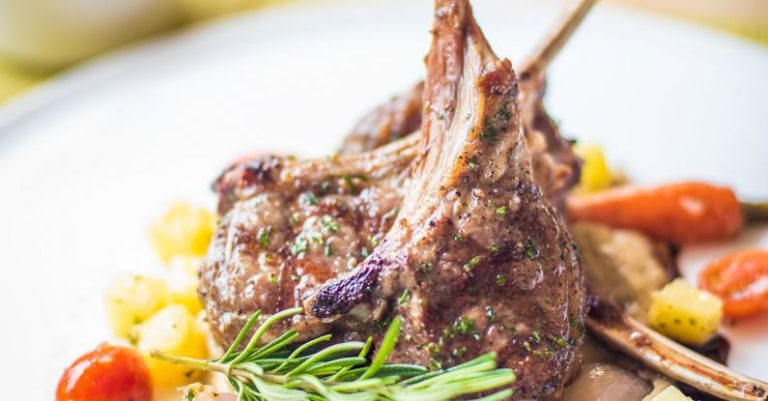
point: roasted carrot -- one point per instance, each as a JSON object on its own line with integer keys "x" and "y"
{"x": 683, "y": 213}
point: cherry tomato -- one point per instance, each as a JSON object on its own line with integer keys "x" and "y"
{"x": 108, "y": 373}
{"x": 741, "y": 280}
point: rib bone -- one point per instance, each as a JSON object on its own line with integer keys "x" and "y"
{"x": 669, "y": 358}
{"x": 558, "y": 37}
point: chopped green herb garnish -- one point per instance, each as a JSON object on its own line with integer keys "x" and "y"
{"x": 503, "y": 113}
{"x": 527, "y": 346}
{"x": 489, "y": 313}
{"x": 264, "y": 235}
{"x": 329, "y": 223}
{"x": 348, "y": 180}
{"x": 381, "y": 324}
{"x": 406, "y": 295}
{"x": 501, "y": 211}
{"x": 472, "y": 163}
{"x": 425, "y": 267}
{"x": 315, "y": 237}
{"x": 494, "y": 249}
{"x": 373, "y": 241}
{"x": 464, "y": 325}
{"x": 488, "y": 132}
{"x": 299, "y": 245}
{"x": 325, "y": 187}
{"x": 530, "y": 249}
{"x": 433, "y": 348}
{"x": 501, "y": 279}
{"x": 545, "y": 353}
{"x": 472, "y": 263}
{"x": 309, "y": 198}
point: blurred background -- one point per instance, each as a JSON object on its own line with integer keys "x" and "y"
{"x": 41, "y": 38}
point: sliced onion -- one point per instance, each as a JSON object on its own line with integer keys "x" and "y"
{"x": 605, "y": 382}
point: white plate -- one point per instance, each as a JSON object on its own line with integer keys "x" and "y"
{"x": 89, "y": 159}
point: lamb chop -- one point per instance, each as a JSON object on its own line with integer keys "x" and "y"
{"x": 250, "y": 252}
{"x": 477, "y": 259}
{"x": 290, "y": 226}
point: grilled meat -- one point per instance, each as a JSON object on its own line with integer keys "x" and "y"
{"x": 447, "y": 228}
{"x": 288, "y": 226}
{"x": 477, "y": 260}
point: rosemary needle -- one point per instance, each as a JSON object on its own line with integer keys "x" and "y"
{"x": 283, "y": 370}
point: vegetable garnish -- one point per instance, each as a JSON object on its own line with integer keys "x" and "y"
{"x": 107, "y": 373}
{"x": 685, "y": 313}
{"x": 755, "y": 212}
{"x": 595, "y": 174}
{"x": 741, "y": 281}
{"x": 683, "y": 213}
{"x": 285, "y": 370}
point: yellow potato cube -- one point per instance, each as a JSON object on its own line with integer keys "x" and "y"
{"x": 595, "y": 174}
{"x": 173, "y": 330}
{"x": 184, "y": 230}
{"x": 670, "y": 393}
{"x": 685, "y": 313}
{"x": 183, "y": 282}
{"x": 131, "y": 299}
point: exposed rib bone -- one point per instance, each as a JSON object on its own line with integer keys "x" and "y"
{"x": 558, "y": 37}
{"x": 391, "y": 158}
{"x": 673, "y": 360}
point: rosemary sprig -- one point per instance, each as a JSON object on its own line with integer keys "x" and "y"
{"x": 283, "y": 370}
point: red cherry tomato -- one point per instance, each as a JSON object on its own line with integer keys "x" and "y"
{"x": 108, "y": 373}
{"x": 741, "y": 281}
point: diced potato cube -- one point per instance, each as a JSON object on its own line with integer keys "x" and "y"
{"x": 183, "y": 282}
{"x": 670, "y": 393}
{"x": 685, "y": 313}
{"x": 184, "y": 230}
{"x": 174, "y": 331}
{"x": 132, "y": 299}
{"x": 595, "y": 174}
